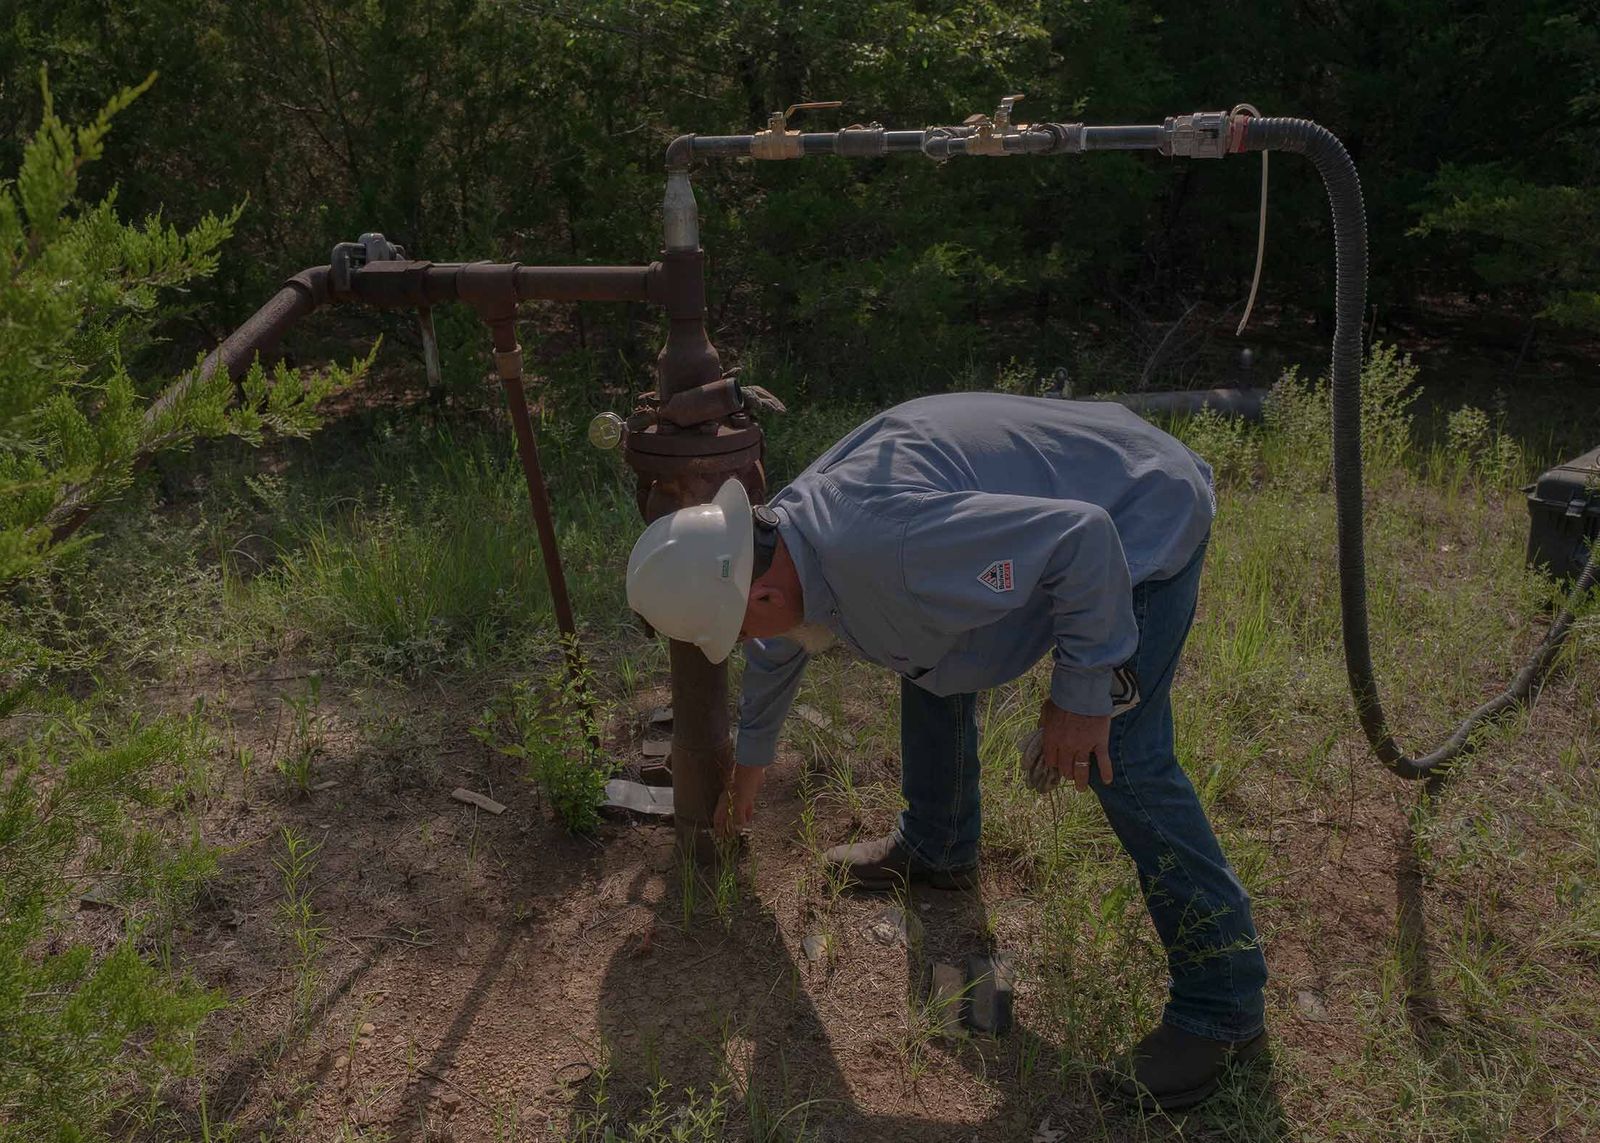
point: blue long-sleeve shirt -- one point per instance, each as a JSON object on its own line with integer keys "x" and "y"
{"x": 954, "y": 539}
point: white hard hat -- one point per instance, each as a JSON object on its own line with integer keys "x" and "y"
{"x": 689, "y": 574}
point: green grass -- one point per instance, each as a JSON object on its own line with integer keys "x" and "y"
{"x": 93, "y": 1025}
{"x": 398, "y": 559}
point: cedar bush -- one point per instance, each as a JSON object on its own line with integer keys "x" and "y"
{"x": 85, "y": 293}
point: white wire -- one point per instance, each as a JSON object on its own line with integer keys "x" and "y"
{"x": 1261, "y": 231}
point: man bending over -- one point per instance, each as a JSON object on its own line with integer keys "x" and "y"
{"x": 954, "y": 540}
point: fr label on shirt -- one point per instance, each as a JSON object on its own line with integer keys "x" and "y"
{"x": 997, "y": 576}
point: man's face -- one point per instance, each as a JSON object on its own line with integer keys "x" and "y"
{"x": 768, "y": 613}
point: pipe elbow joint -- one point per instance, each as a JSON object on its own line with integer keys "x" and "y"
{"x": 316, "y": 283}
{"x": 680, "y": 153}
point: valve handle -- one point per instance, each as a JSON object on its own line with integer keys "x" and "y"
{"x": 779, "y": 121}
{"x": 1002, "y": 116}
{"x": 822, "y": 105}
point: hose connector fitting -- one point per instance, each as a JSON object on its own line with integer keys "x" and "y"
{"x": 1203, "y": 135}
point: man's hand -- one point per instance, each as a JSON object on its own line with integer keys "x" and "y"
{"x": 1070, "y": 740}
{"x": 738, "y": 802}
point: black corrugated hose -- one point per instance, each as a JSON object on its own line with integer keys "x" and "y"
{"x": 1333, "y": 162}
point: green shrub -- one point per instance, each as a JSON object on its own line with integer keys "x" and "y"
{"x": 1476, "y": 446}
{"x": 549, "y": 730}
{"x": 1231, "y": 446}
{"x": 85, "y": 295}
{"x": 1299, "y": 418}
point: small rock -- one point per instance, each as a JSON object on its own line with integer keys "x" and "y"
{"x": 1311, "y": 1004}
{"x": 341, "y": 1063}
{"x": 368, "y": 1029}
{"x": 812, "y": 715}
{"x": 889, "y": 927}
{"x": 1046, "y": 1133}
{"x": 473, "y": 798}
{"x": 101, "y": 896}
{"x": 450, "y": 1102}
{"x": 659, "y": 716}
{"x": 573, "y": 1074}
{"x": 656, "y": 747}
{"x": 817, "y": 946}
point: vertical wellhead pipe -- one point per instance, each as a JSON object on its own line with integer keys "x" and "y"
{"x": 680, "y": 218}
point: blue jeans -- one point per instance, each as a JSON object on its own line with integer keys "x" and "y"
{"x": 1200, "y": 910}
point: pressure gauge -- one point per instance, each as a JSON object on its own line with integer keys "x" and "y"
{"x": 605, "y": 431}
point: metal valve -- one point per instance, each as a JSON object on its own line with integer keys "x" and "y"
{"x": 989, "y": 135}
{"x": 348, "y": 258}
{"x": 777, "y": 141}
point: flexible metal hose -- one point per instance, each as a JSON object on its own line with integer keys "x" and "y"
{"x": 1333, "y": 162}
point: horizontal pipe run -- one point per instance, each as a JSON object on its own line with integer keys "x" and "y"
{"x": 861, "y": 142}
{"x": 1247, "y": 404}
{"x": 584, "y": 283}
{"x": 405, "y": 285}
{"x": 1146, "y": 138}
{"x": 1203, "y": 134}
{"x": 722, "y": 146}
{"x": 935, "y": 142}
{"x": 854, "y": 142}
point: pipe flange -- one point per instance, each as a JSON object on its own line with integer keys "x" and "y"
{"x": 657, "y": 467}
{"x": 723, "y": 438}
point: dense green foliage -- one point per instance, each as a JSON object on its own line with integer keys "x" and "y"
{"x": 84, "y": 295}
{"x": 534, "y": 129}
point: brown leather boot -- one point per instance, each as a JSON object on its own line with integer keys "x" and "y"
{"x": 1171, "y": 1069}
{"x": 883, "y": 863}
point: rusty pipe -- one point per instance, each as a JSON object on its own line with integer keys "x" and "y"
{"x": 710, "y": 402}
{"x": 508, "y": 366}
{"x": 408, "y": 284}
{"x": 259, "y": 334}
{"x": 702, "y": 741}
{"x": 698, "y": 440}
{"x": 688, "y": 359}
{"x": 584, "y": 283}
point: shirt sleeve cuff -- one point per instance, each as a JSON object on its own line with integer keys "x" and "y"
{"x": 754, "y": 750}
{"x": 1080, "y": 691}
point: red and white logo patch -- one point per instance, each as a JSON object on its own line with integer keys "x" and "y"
{"x": 997, "y": 576}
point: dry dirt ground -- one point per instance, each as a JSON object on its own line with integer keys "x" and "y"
{"x": 476, "y": 970}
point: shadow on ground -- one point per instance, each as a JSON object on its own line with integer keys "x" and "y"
{"x": 736, "y": 1000}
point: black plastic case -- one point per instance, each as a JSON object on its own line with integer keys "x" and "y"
{"x": 1564, "y": 515}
